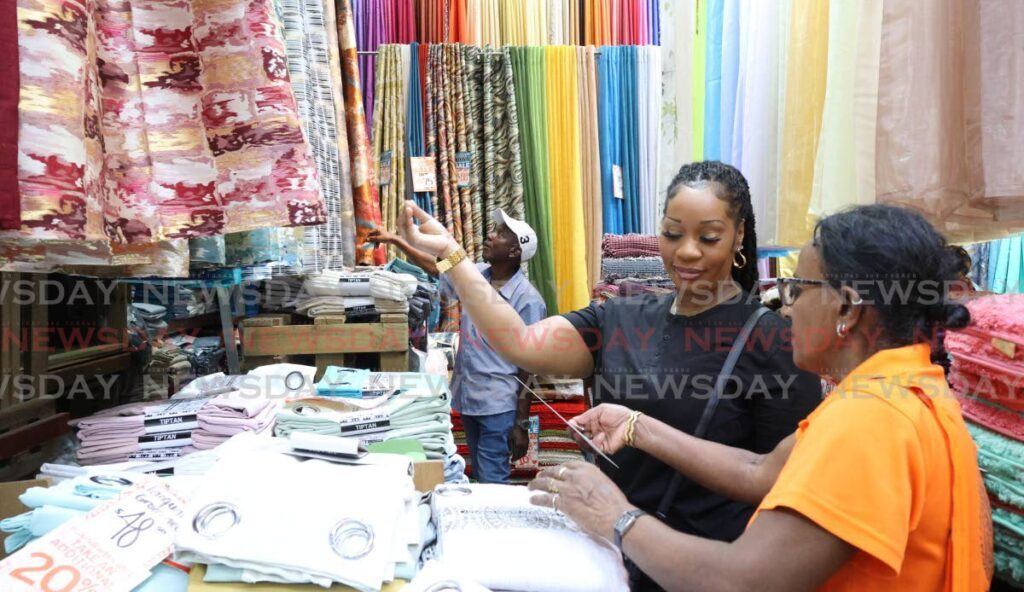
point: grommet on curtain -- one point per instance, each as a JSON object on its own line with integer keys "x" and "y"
{"x": 110, "y": 480}
{"x": 306, "y": 410}
{"x": 203, "y": 523}
{"x": 444, "y": 586}
{"x": 454, "y": 490}
{"x": 349, "y": 529}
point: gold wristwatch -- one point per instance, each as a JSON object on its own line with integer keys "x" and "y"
{"x": 451, "y": 260}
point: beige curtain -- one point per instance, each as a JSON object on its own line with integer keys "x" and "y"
{"x": 951, "y": 116}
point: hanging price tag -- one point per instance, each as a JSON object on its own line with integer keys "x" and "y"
{"x": 463, "y": 168}
{"x": 385, "y": 168}
{"x": 424, "y": 173}
{"x": 110, "y": 549}
{"x": 617, "y": 186}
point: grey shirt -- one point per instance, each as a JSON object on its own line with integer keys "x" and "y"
{"x": 483, "y": 383}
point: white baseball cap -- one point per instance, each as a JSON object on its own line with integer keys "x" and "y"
{"x": 527, "y": 237}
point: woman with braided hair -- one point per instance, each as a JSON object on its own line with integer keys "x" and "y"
{"x": 662, "y": 354}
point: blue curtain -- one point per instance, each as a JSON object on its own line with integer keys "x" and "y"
{"x": 730, "y": 77}
{"x": 713, "y": 82}
{"x": 609, "y": 109}
{"x": 631, "y": 141}
{"x": 415, "y": 142}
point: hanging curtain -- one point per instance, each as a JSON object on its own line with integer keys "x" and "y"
{"x": 730, "y": 70}
{"x": 758, "y": 130}
{"x": 713, "y": 81}
{"x": 10, "y": 198}
{"x": 497, "y": 170}
{"x": 529, "y": 72}
{"x": 309, "y": 65}
{"x": 154, "y": 169}
{"x": 805, "y": 96}
{"x": 844, "y": 168}
{"x": 957, "y": 162}
{"x": 649, "y": 89}
{"x": 448, "y": 142}
{"x": 364, "y": 190}
{"x": 566, "y": 187}
{"x": 389, "y": 136}
{"x": 590, "y": 160}
{"x": 416, "y": 142}
{"x": 677, "y": 96}
{"x": 630, "y": 141}
{"x": 610, "y": 78}
{"x": 698, "y": 71}
{"x": 338, "y": 236}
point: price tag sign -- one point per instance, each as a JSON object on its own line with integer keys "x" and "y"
{"x": 424, "y": 173}
{"x": 463, "y": 168}
{"x": 110, "y": 549}
{"x": 617, "y": 186}
{"x": 385, "y": 168}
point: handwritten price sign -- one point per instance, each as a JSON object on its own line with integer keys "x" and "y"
{"x": 111, "y": 548}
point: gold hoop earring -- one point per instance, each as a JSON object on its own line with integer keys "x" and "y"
{"x": 841, "y": 330}
{"x": 743, "y": 260}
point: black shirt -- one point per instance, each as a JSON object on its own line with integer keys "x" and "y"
{"x": 665, "y": 365}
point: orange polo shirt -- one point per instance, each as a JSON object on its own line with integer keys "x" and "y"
{"x": 886, "y": 464}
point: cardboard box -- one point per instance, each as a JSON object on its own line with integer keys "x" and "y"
{"x": 10, "y": 505}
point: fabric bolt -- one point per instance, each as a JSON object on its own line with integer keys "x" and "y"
{"x": 805, "y": 96}
{"x": 313, "y": 73}
{"x": 590, "y": 159}
{"x": 203, "y": 156}
{"x": 618, "y": 246}
{"x": 844, "y": 169}
{"x": 366, "y": 203}
{"x": 566, "y": 192}
{"x": 416, "y": 146}
{"x": 207, "y": 251}
{"x": 956, "y": 162}
{"x": 10, "y": 198}
{"x": 730, "y": 70}
{"x": 698, "y": 77}
{"x": 392, "y": 286}
{"x": 388, "y": 136}
{"x": 529, "y": 73}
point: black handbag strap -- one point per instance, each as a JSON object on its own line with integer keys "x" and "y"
{"x": 712, "y": 405}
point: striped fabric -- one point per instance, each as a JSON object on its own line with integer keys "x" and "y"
{"x": 309, "y": 64}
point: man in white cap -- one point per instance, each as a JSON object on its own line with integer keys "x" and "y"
{"x": 494, "y": 408}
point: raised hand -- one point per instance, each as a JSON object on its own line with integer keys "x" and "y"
{"x": 429, "y": 236}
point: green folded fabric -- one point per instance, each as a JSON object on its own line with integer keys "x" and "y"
{"x": 1002, "y": 462}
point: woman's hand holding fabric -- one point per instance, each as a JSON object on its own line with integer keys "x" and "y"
{"x": 583, "y": 493}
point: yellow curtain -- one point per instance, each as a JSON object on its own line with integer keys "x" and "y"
{"x": 566, "y": 179}
{"x": 805, "y": 97}
{"x": 844, "y": 170}
{"x": 590, "y": 152}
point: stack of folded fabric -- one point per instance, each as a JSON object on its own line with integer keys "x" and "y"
{"x": 233, "y": 413}
{"x": 151, "y": 318}
{"x": 618, "y": 246}
{"x": 360, "y": 530}
{"x": 424, "y": 303}
{"x": 388, "y": 285}
{"x": 480, "y": 530}
{"x": 179, "y": 301}
{"x": 318, "y": 306}
{"x": 205, "y": 354}
{"x": 345, "y": 382}
{"x": 137, "y": 431}
{"x": 986, "y": 372}
{"x": 338, "y": 283}
{"x": 636, "y": 267}
{"x": 280, "y": 293}
{"x": 168, "y": 365}
{"x": 418, "y": 408}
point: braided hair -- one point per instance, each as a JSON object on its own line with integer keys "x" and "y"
{"x": 731, "y": 186}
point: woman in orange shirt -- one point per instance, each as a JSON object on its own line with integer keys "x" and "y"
{"x": 879, "y": 487}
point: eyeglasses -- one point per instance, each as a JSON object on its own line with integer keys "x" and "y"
{"x": 791, "y": 288}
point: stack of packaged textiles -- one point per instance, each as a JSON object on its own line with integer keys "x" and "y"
{"x": 987, "y": 373}
{"x": 396, "y": 405}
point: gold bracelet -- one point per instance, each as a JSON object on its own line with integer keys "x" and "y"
{"x": 631, "y": 428}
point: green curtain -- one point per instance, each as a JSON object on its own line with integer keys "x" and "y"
{"x": 531, "y": 103}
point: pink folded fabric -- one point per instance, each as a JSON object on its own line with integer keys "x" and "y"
{"x": 157, "y": 428}
{"x": 230, "y": 414}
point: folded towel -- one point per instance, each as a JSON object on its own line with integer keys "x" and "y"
{"x": 386, "y": 285}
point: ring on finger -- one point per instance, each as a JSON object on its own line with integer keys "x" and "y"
{"x": 553, "y": 488}
{"x": 554, "y": 502}
{"x": 561, "y": 472}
